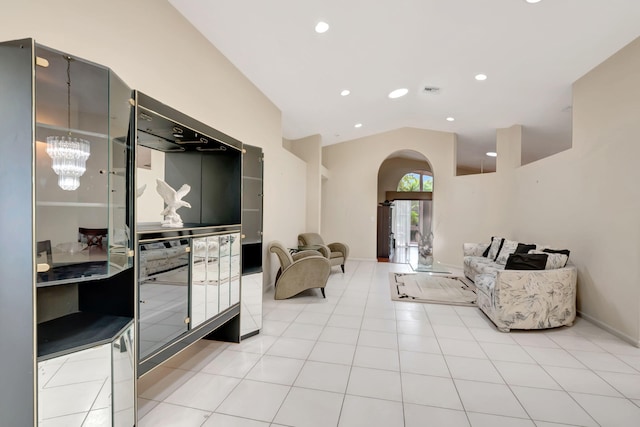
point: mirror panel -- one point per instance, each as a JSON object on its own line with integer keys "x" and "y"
{"x": 163, "y": 293}
{"x": 124, "y": 394}
{"x": 75, "y": 389}
{"x": 225, "y": 272}
{"x": 236, "y": 248}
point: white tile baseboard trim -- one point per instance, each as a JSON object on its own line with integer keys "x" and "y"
{"x": 609, "y": 329}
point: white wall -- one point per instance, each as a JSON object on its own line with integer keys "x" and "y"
{"x": 155, "y": 50}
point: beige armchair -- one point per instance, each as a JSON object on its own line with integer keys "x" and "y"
{"x": 337, "y": 253}
{"x": 300, "y": 271}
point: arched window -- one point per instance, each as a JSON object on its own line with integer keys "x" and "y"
{"x": 416, "y": 181}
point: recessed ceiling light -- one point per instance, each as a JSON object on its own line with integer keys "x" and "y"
{"x": 533, "y": 1}
{"x": 481, "y": 77}
{"x": 322, "y": 27}
{"x": 358, "y": 125}
{"x": 450, "y": 119}
{"x": 492, "y": 154}
{"x": 345, "y": 92}
{"x": 398, "y": 93}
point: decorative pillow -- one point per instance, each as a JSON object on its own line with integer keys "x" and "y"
{"x": 494, "y": 249}
{"x": 558, "y": 251}
{"x": 508, "y": 247}
{"x": 486, "y": 251}
{"x": 554, "y": 260}
{"x": 530, "y": 261}
{"x": 524, "y": 248}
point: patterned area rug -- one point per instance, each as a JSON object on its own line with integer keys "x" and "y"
{"x": 417, "y": 287}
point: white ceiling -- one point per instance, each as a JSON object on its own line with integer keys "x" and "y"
{"x": 531, "y": 53}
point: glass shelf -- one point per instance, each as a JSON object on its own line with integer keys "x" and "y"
{"x": 77, "y": 331}
{"x": 64, "y": 130}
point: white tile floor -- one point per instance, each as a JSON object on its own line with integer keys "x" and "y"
{"x": 358, "y": 359}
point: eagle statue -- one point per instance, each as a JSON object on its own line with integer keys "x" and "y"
{"x": 174, "y": 201}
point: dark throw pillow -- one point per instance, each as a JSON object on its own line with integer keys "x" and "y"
{"x": 557, "y": 251}
{"x": 526, "y": 262}
{"x": 486, "y": 251}
{"x": 524, "y": 248}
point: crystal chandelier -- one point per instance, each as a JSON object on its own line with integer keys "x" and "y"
{"x": 68, "y": 154}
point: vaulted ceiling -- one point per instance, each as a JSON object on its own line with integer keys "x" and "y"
{"x": 530, "y": 53}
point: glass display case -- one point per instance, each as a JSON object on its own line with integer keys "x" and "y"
{"x": 83, "y": 211}
{"x": 202, "y": 167}
{"x": 68, "y": 280}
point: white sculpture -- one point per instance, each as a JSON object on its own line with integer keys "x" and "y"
{"x": 174, "y": 201}
{"x": 140, "y": 190}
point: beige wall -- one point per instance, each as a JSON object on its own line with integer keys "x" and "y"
{"x": 588, "y": 199}
{"x": 155, "y": 50}
{"x": 350, "y": 194}
{"x": 310, "y": 150}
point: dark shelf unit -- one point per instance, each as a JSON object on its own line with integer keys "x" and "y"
{"x": 211, "y": 163}
{"x": 77, "y": 331}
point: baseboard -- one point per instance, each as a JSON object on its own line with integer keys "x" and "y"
{"x": 609, "y": 329}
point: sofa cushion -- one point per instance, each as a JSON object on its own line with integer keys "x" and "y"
{"x": 494, "y": 249}
{"x": 530, "y": 261}
{"x": 508, "y": 247}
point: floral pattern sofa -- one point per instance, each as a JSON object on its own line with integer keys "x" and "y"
{"x": 544, "y": 297}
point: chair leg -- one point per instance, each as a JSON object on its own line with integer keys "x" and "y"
{"x": 322, "y": 290}
{"x": 342, "y": 267}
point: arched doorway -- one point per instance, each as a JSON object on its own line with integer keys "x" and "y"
{"x": 405, "y": 206}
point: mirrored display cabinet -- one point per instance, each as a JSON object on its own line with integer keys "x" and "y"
{"x": 67, "y": 291}
{"x": 189, "y": 273}
{"x": 252, "y": 196}
{"x": 104, "y": 274}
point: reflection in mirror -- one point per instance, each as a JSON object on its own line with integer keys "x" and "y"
{"x": 225, "y": 271}
{"x": 123, "y": 379}
{"x": 163, "y": 281}
{"x": 234, "y": 296}
{"x": 251, "y": 319}
{"x": 75, "y": 389}
{"x": 204, "y": 277}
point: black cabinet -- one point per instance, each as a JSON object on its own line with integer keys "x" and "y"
{"x": 189, "y": 274}
{"x": 68, "y": 281}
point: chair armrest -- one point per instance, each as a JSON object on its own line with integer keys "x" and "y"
{"x": 339, "y": 247}
{"x": 543, "y": 290}
{"x": 474, "y": 249}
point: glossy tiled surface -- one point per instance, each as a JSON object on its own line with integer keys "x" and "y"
{"x": 357, "y": 358}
